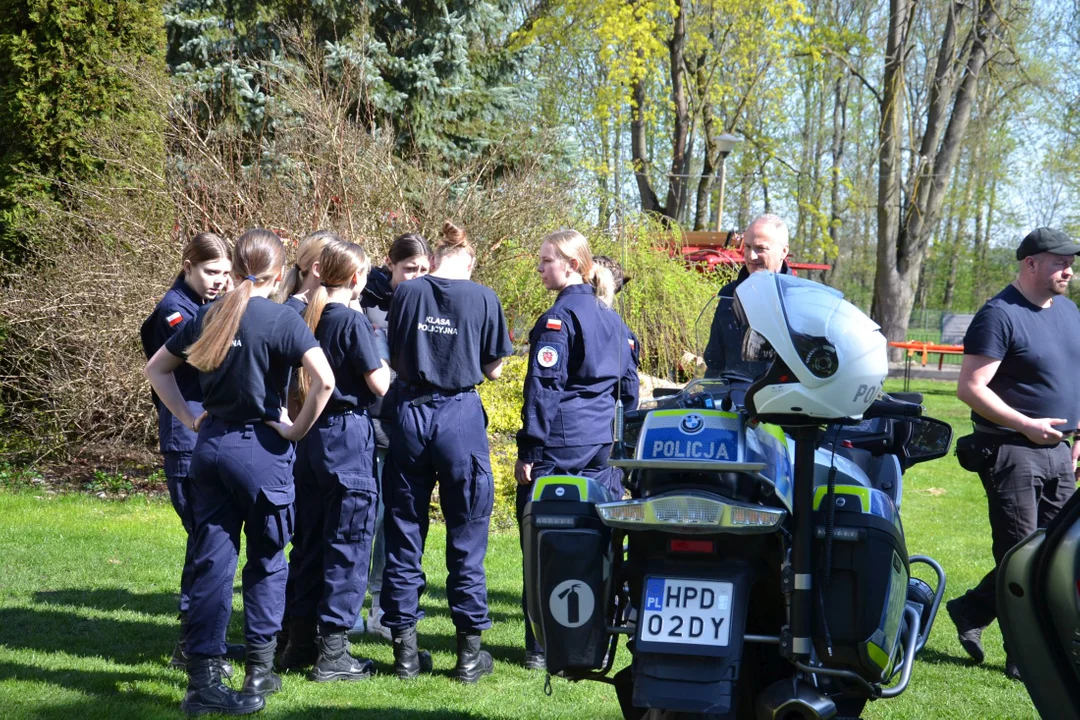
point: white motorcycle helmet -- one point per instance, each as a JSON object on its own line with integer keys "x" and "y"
{"x": 829, "y": 359}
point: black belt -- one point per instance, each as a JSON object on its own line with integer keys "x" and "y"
{"x": 426, "y": 393}
{"x": 1008, "y": 437}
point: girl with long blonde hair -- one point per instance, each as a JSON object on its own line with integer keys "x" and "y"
{"x": 336, "y": 490}
{"x": 244, "y": 347}
{"x": 576, "y": 352}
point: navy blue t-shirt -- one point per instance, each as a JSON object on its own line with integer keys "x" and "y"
{"x": 296, "y": 304}
{"x": 442, "y": 331}
{"x": 179, "y": 306}
{"x": 347, "y": 338}
{"x": 1038, "y": 349}
{"x": 249, "y": 386}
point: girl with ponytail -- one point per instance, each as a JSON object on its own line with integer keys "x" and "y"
{"x": 244, "y": 346}
{"x": 409, "y": 257}
{"x": 336, "y": 490}
{"x": 446, "y": 334}
{"x": 302, "y": 278}
{"x": 577, "y": 353}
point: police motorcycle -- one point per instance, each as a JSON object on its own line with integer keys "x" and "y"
{"x": 759, "y": 568}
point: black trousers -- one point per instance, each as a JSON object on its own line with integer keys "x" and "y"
{"x": 1026, "y": 486}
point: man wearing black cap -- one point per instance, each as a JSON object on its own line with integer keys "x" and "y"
{"x": 1019, "y": 378}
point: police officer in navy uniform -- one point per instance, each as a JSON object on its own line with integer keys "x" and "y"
{"x": 446, "y": 335}
{"x": 765, "y": 247}
{"x": 579, "y": 352}
{"x": 244, "y": 347}
{"x": 336, "y": 489}
{"x": 206, "y": 262}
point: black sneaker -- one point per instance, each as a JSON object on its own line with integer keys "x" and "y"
{"x": 967, "y": 632}
{"x": 534, "y": 661}
{"x": 1012, "y": 671}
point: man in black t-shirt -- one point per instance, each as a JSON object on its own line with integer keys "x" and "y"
{"x": 1020, "y": 381}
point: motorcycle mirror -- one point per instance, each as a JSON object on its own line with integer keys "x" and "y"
{"x": 930, "y": 439}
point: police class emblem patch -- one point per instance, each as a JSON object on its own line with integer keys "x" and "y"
{"x": 547, "y": 356}
{"x": 692, "y": 424}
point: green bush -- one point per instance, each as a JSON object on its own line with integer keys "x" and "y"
{"x": 667, "y": 305}
{"x": 502, "y": 402}
{"x": 62, "y": 75}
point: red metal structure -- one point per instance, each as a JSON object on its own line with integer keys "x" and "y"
{"x": 707, "y": 250}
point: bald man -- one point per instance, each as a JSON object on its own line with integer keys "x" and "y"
{"x": 765, "y": 247}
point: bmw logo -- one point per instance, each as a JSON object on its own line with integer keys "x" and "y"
{"x": 692, "y": 424}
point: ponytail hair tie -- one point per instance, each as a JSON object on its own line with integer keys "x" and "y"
{"x": 252, "y": 278}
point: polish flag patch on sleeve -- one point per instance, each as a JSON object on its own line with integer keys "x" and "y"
{"x": 174, "y": 319}
{"x": 553, "y": 324}
{"x": 631, "y": 341}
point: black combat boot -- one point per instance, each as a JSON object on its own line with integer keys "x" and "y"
{"x": 408, "y": 661}
{"x": 472, "y": 662}
{"x": 301, "y": 651}
{"x": 335, "y": 662}
{"x": 259, "y": 677}
{"x": 207, "y": 694}
{"x": 180, "y": 658}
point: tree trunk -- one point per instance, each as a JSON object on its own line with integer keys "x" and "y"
{"x": 701, "y": 204}
{"x": 903, "y": 238}
{"x": 639, "y": 150}
{"x": 893, "y": 291}
{"x": 680, "y": 132}
{"x": 841, "y": 90}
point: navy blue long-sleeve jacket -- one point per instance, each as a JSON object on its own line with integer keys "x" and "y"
{"x": 179, "y": 306}
{"x": 580, "y": 351}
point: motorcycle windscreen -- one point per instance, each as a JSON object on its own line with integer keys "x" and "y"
{"x": 572, "y": 599}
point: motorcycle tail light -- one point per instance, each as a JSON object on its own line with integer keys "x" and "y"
{"x": 693, "y": 512}
{"x": 755, "y": 517}
{"x": 630, "y": 513}
{"x": 692, "y": 546}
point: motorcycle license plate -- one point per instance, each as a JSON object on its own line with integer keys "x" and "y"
{"x": 686, "y": 611}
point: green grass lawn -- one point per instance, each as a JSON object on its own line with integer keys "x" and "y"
{"x": 87, "y": 618}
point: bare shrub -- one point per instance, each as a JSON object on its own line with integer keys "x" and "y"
{"x": 70, "y": 360}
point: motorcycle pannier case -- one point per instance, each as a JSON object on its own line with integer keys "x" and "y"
{"x": 864, "y": 594}
{"x": 568, "y": 571}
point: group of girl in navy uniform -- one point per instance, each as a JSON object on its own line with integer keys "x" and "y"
{"x": 270, "y": 425}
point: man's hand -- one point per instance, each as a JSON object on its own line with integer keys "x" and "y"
{"x": 523, "y": 472}
{"x": 1041, "y": 430}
